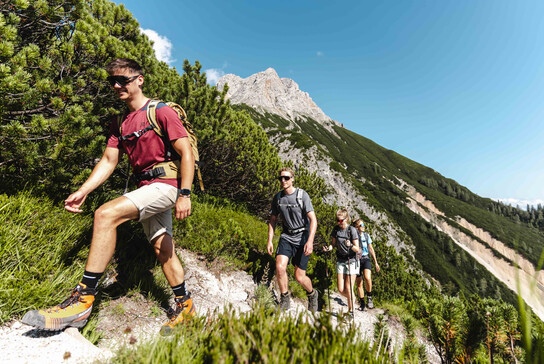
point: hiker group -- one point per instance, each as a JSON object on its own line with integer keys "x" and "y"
{"x": 161, "y": 149}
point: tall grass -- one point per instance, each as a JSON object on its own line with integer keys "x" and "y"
{"x": 532, "y": 328}
{"x": 257, "y": 337}
{"x": 42, "y": 252}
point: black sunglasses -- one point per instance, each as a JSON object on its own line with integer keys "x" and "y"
{"x": 340, "y": 220}
{"x": 121, "y": 80}
{"x": 286, "y": 178}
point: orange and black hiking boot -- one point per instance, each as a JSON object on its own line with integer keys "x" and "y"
{"x": 73, "y": 311}
{"x": 183, "y": 310}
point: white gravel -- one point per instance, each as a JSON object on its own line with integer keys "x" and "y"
{"x": 20, "y": 343}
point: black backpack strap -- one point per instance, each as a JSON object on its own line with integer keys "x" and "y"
{"x": 136, "y": 134}
{"x": 278, "y": 196}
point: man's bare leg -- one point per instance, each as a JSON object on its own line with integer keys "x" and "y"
{"x": 281, "y": 273}
{"x": 106, "y": 220}
{"x": 166, "y": 255}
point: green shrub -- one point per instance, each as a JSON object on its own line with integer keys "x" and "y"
{"x": 219, "y": 228}
{"x": 258, "y": 337}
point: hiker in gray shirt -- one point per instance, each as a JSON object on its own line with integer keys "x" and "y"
{"x": 297, "y": 239}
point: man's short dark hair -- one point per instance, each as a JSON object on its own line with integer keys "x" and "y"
{"x": 124, "y": 64}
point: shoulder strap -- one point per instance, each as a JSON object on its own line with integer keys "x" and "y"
{"x": 152, "y": 116}
{"x": 119, "y": 120}
{"x": 278, "y": 195}
{"x": 299, "y": 197}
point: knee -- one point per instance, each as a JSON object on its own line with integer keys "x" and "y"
{"x": 300, "y": 275}
{"x": 358, "y": 281}
{"x": 281, "y": 269}
{"x": 164, "y": 251}
{"x": 104, "y": 215}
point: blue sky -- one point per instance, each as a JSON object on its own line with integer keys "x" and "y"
{"x": 455, "y": 85}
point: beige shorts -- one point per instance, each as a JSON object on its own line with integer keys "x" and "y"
{"x": 348, "y": 268}
{"x": 155, "y": 202}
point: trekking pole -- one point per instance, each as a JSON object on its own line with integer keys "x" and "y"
{"x": 351, "y": 288}
{"x": 328, "y": 279}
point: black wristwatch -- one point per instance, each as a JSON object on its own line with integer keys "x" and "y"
{"x": 186, "y": 193}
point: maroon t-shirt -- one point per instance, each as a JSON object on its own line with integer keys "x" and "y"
{"x": 147, "y": 150}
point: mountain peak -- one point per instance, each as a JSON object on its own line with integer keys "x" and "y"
{"x": 270, "y": 71}
{"x": 266, "y": 90}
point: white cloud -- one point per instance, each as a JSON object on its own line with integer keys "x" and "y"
{"x": 214, "y": 74}
{"x": 161, "y": 45}
{"x": 319, "y": 53}
{"x": 522, "y": 203}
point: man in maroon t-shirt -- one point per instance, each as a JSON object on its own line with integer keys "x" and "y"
{"x": 151, "y": 203}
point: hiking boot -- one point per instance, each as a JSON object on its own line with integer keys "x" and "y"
{"x": 73, "y": 311}
{"x": 362, "y": 304}
{"x": 312, "y": 301}
{"x": 370, "y": 304}
{"x": 183, "y": 310}
{"x": 285, "y": 302}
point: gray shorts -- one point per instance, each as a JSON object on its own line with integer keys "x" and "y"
{"x": 347, "y": 267}
{"x": 155, "y": 202}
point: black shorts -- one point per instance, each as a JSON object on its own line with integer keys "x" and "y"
{"x": 364, "y": 264}
{"x": 295, "y": 253}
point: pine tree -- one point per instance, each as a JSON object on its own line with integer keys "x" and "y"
{"x": 55, "y": 105}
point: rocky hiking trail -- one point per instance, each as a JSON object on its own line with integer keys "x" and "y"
{"x": 130, "y": 321}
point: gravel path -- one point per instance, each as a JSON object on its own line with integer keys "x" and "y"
{"x": 20, "y": 343}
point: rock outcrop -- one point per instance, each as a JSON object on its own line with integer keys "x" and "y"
{"x": 266, "y": 91}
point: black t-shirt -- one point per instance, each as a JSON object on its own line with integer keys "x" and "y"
{"x": 343, "y": 252}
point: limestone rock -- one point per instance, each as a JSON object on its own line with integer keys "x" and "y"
{"x": 267, "y": 91}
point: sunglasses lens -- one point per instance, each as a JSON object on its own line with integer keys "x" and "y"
{"x": 121, "y": 80}
{"x": 282, "y": 178}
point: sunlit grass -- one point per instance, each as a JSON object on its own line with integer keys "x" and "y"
{"x": 260, "y": 336}
{"x": 42, "y": 251}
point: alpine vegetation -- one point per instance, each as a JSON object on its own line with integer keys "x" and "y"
{"x": 61, "y": 139}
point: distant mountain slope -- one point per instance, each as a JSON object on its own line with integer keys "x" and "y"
{"x": 379, "y": 185}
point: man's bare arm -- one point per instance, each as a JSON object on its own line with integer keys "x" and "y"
{"x": 99, "y": 175}
{"x": 183, "y": 148}
{"x": 271, "y": 229}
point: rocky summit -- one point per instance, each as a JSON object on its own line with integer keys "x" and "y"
{"x": 268, "y": 92}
